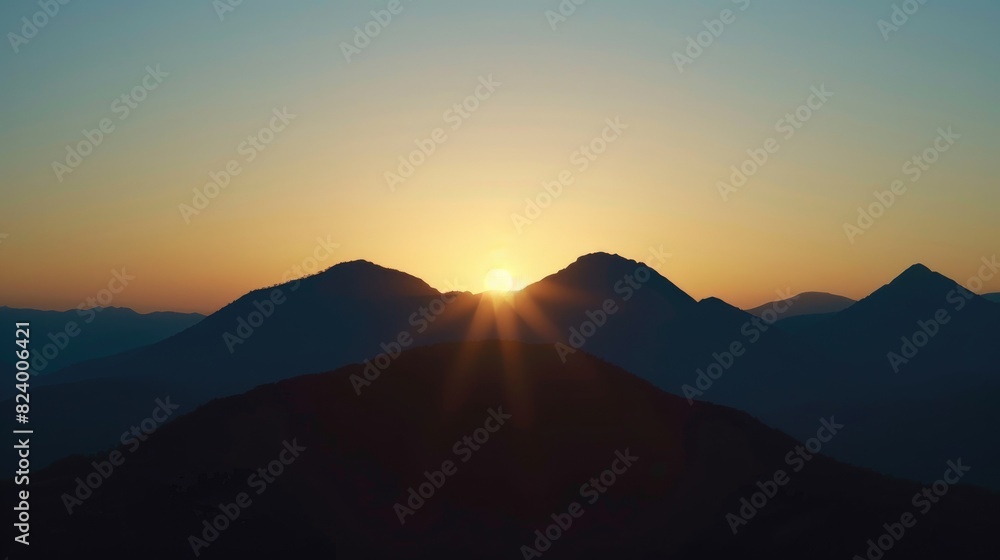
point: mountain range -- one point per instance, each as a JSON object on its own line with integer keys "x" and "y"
{"x": 603, "y": 305}
{"x": 65, "y": 338}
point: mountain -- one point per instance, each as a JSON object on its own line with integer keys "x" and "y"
{"x": 335, "y": 317}
{"x": 307, "y": 468}
{"x": 995, "y": 298}
{"x": 806, "y": 303}
{"x": 924, "y": 373}
{"x": 649, "y": 326}
{"x": 916, "y": 301}
{"x": 321, "y": 322}
{"x": 73, "y": 336}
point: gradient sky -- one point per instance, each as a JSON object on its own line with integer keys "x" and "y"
{"x": 324, "y": 175}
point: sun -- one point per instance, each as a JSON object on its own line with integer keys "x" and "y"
{"x": 498, "y": 280}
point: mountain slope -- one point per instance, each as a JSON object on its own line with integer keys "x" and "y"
{"x": 358, "y": 456}
{"x": 331, "y": 318}
{"x": 967, "y": 325}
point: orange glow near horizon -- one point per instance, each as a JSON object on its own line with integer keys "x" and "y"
{"x": 509, "y": 189}
{"x": 160, "y": 285}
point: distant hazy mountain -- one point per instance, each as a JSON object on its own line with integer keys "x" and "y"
{"x": 806, "y": 303}
{"x": 993, "y": 297}
{"x": 82, "y": 334}
{"x": 526, "y": 436}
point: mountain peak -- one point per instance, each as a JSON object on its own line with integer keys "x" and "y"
{"x": 358, "y": 266}
{"x": 593, "y": 266}
{"x": 920, "y": 278}
{"x": 602, "y": 255}
{"x": 601, "y": 273}
{"x": 916, "y": 270}
{"x": 917, "y": 287}
{"x": 603, "y": 260}
{"x": 361, "y": 277}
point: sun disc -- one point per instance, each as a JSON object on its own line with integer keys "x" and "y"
{"x": 498, "y": 280}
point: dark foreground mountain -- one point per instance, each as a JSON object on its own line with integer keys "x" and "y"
{"x": 504, "y": 440}
{"x": 806, "y": 303}
{"x": 64, "y": 338}
{"x": 995, "y": 298}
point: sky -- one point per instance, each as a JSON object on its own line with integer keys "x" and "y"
{"x": 632, "y": 112}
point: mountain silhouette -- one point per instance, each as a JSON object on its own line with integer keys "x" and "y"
{"x": 318, "y": 320}
{"x": 353, "y": 458}
{"x": 873, "y": 327}
{"x": 76, "y": 335}
{"x": 327, "y": 320}
{"x": 995, "y": 298}
{"x": 919, "y": 386}
{"x": 595, "y": 273}
{"x": 359, "y": 311}
{"x": 806, "y": 303}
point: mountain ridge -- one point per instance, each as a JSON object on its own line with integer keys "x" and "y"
{"x": 692, "y": 466}
{"x": 605, "y": 305}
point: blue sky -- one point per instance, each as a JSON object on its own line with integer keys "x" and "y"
{"x": 325, "y": 175}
